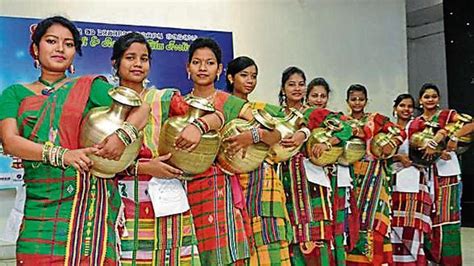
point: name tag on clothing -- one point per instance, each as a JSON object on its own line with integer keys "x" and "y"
{"x": 343, "y": 176}
{"x": 168, "y": 196}
{"x": 408, "y": 180}
{"x": 316, "y": 174}
{"x": 450, "y": 167}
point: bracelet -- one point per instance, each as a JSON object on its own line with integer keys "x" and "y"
{"x": 432, "y": 144}
{"x": 199, "y": 126}
{"x": 454, "y": 138}
{"x": 204, "y": 125}
{"x": 131, "y": 131}
{"x": 255, "y": 135}
{"x": 306, "y": 132}
{"x": 392, "y": 143}
{"x": 221, "y": 117}
{"x": 46, "y": 150}
{"x": 123, "y": 136}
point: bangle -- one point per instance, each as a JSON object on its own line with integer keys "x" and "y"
{"x": 46, "y": 151}
{"x": 199, "y": 126}
{"x": 255, "y": 135}
{"x": 306, "y": 132}
{"x": 204, "y": 125}
{"x": 221, "y": 117}
{"x": 432, "y": 144}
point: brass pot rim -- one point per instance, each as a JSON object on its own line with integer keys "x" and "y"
{"x": 125, "y": 96}
{"x": 264, "y": 118}
{"x": 200, "y": 103}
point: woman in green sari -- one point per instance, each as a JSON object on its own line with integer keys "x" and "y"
{"x": 70, "y": 215}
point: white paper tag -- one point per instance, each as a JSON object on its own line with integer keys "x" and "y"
{"x": 450, "y": 167}
{"x": 408, "y": 180}
{"x": 316, "y": 174}
{"x": 343, "y": 176}
{"x": 167, "y": 196}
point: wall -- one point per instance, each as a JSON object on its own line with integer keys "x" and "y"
{"x": 426, "y": 46}
{"x": 344, "y": 41}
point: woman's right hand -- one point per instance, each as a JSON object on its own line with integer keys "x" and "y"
{"x": 158, "y": 168}
{"x": 79, "y": 159}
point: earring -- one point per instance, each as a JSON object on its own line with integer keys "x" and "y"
{"x": 218, "y": 77}
{"x": 36, "y": 63}
{"x": 71, "y": 69}
{"x": 395, "y": 115}
{"x": 421, "y": 106}
{"x": 115, "y": 78}
{"x": 189, "y": 75}
{"x": 145, "y": 83}
{"x": 437, "y": 106}
{"x": 283, "y": 99}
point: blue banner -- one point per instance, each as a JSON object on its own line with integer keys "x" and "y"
{"x": 168, "y": 65}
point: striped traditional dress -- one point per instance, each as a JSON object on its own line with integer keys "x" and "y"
{"x": 146, "y": 239}
{"x": 69, "y": 218}
{"x": 443, "y": 244}
{"x": 372, "y": 181}
{"x": 411, "y": 215}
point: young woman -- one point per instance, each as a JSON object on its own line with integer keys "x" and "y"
{"x": 263, "y": 191}
{"x": 344, "y": 210}
{"x": 372, "y": 182}
{"x": 145, "y": 238}
{"x": 411, "y": 199}
{"x": 307, "y": 203}
{"x": 443, "y": 244}
{"x": 222, "y": 231}
{"x": 70, "y": 215}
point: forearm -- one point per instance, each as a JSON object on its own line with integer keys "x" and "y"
{"x": 22, "y": 148}
{"x": 465, "y": 130}
{"x": 334, "y": 141}
{"x": 138, "y": 117}
{"x": 214, "y": 120}
{"x": 270, "y": 137}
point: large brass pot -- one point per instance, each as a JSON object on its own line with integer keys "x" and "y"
{"x": 419, "y": 140}
{"x": 100, "y": 122}
{"x": 453, "y": 128}
{"x": 323, "y": 135}
{"x": 287, "y": 126}
{"x": 202, "y": 157}
{"x": 380, "y": 140}
{"x": 255, "y": 153}
{"x": 355, "y": 147}
{"x": 354, "y": 150}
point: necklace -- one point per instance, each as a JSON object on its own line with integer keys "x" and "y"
{"x": 49, "y": 87}
{"x": 209, "y": 98}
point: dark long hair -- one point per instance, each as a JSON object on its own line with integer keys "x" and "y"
{"x": 123, "y": 43}
{"x": 284, "y": 78}
{"x": 235, "y": 66}
{"x": 44, "y": 25}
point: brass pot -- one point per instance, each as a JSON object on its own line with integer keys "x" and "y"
{"x": 255, "y": 153}
{"x": 452, "y": 128}
{"x": 419, "y": 140}
{"x": 100, "y": 122}
{"x": 380, "y": 140}
{"x": 355, "y": 147}
{"x": 323, "y": 135}
{"x": 287, "y": 126}
{"x": 354, "y": 150}
{"x": 202, "y": 157}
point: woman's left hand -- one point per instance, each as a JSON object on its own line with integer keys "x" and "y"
{"x": 188, "y": 139}
{"x": 110, "y": 148}
{"x": 294, "y": 140}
